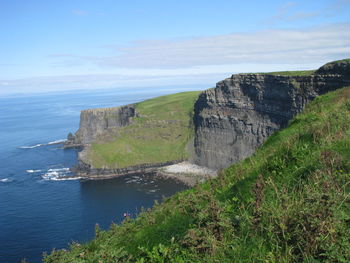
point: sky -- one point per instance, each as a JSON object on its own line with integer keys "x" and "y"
{"x": 84, "y": 44}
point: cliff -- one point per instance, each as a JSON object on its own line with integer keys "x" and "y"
{"x": 95, "y": 122}
{"x": 134, "y": 138}
{"x": 241, "y": 112}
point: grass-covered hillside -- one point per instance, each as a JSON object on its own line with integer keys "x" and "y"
{"x": 160, "y": 133}
{"x": 289, "y": 202}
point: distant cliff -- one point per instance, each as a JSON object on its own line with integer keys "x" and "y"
{"x": 95, "y": 122}
{"x": 237, "y": 116}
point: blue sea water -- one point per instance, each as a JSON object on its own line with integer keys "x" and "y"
{"x": 39, "y": 212}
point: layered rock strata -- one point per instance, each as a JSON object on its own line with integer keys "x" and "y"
{"x": 95, "y": 122}
{"x": 241, "y": 112}
{"x": 86, "y": 171}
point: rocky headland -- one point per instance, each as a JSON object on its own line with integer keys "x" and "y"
{"x": 229, "y": 122}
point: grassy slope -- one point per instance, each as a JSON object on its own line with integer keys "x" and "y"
{"x": 160, "y": 134}
{"x": 289, "y": 202}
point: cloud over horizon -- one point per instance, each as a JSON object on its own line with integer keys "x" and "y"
{"x": 290, "y": 46}
{"x": 205, "y": 59}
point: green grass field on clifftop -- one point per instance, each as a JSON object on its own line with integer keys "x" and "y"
{"x": 289, "y": 202}
{"x": 160, "y": 133}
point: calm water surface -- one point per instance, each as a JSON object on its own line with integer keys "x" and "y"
{"x": 39, "y": 212}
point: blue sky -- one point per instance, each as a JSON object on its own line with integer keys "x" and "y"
{"x": 75, "y": 44}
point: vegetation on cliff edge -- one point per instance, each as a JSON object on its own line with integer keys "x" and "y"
{"x": 289, "y": 202}
{"x": 291, "y": 73}
{"x": 160, "y": 133}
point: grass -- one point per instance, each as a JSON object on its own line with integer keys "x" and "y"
{"x": 289, "y": 202}
{"x": 342, "y": 60}
{"x": 160, "y": 134}
{"x": 286, "y": 73}
{"x": 291, "y": 73}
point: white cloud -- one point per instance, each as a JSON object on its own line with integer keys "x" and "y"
{"x": 103, "y": 81}
{"x": 194, "y": 60}
{"x": 206, "y": 76}
{"x": 314, "y": 45}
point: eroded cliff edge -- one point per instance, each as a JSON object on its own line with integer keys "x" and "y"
{"x": 234, "y": 118}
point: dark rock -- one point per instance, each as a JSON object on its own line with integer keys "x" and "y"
{"x": 94, "y": 122}
{"x": 70, "y": 137}
{"x": 341, "y": 67}
{"x": 86, "y": 171}
{"x": 237, "y": 116}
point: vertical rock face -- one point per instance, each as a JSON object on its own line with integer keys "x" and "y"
{"x": 94, "y": 122}
{"x": 237, "y": 116}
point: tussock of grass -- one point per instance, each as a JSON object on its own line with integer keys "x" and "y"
{"x": 287, "y": 203}
{"x": 159, "y": 134}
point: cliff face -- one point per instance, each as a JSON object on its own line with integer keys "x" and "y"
{"x": 237, "y": 116}
{"x": 94, "y": 122}
{"x": 230, "y": 121}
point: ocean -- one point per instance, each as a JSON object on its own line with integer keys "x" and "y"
{"x": 39, "y": 211}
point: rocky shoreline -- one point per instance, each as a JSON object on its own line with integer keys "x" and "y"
{"x": 179, "y": 170}
{"x": 182, "y": 171}
{"x": 85, "y": 171}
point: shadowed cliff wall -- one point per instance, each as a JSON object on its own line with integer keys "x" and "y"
{"x": 94, "y": 122}
{"x": 234, "y": 118}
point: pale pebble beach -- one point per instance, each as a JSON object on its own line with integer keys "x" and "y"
{"x": 188, "y": 173}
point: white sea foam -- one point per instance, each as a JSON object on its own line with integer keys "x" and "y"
{"x": 131, "y": 181}
{"x": 59, "y": 170}
{"x": 5, "y": 180}
{"x": 33, "y": 171}
{"x": 59, "y": 174}
{"x": 65, "y": 178}
{"x": 31, "y": 147}
{"x": 57, "y": 142}
{"x": 43, "y": 144}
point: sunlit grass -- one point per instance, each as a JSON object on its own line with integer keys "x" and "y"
{"x": 159, "y": 134}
